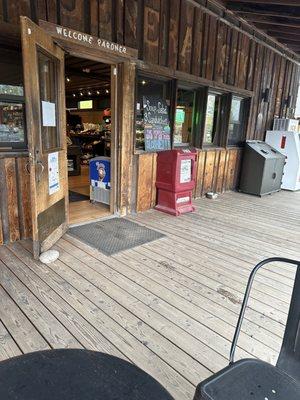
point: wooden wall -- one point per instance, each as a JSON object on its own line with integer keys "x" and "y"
{"x": 15, "y": 214}
{"x": 217, "y": 171}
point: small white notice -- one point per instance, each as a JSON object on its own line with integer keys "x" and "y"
{"x": 48, "y": 113}
{"x": 182, "y": 200}
{"x": 185, "y": 171}
{"x": 53, "y": 172}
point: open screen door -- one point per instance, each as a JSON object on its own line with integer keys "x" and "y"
{"x": 44, "y": 85}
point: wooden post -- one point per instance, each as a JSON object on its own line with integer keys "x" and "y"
{"x": 126, "y": 144}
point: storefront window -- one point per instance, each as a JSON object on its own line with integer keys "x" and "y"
{"x": 211, "y": 119}
{"x": 184, "y": 117}
{"x": 152, "y": 114}
{"x": 12, "y": 130}
{"x": 12, "y": 109}
{"x": 236, "y": 122}
{"x": 49, "y": 111}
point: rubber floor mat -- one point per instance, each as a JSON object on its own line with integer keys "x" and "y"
{"x": 114, "y": 235}
{"x": 75, "y": 196}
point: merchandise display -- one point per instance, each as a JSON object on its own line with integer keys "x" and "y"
{"x": 88, "y": 131}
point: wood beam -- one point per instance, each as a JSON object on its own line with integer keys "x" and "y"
{"x": 284, "y": 35}
{"x": 287, "y": 38}
{"x": 267, "y": 14}
{"x": 262, "y": 21}
{"x": 279, "y": 29}
{"x": 295, "y": 3}
{"x": 295, "y": 47}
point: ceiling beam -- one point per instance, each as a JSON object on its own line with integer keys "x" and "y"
{"x": 263, "y": 21}
{"x": 295, "y": 3}
{"x": 268, "y": 14}
{"x": 287, "y": 38}
{"x": 279, "y": 29}
{"x": 293, "y": 34}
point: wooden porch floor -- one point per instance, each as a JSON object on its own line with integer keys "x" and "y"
{"x": 169, "y": 306}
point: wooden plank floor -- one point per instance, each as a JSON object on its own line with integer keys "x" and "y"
{"x": 169, "y": 306}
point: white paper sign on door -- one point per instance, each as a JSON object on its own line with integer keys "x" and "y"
{"x": 48, "y": 113}
{"x": 185, "y": 171}
{"x": 53, "y": 172}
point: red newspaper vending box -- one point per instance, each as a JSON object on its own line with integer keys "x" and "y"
{"x": 175, "y": 180}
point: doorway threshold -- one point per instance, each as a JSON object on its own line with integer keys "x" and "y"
{"x": 104, "y": 218}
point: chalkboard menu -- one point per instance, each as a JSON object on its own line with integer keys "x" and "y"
{"x": 156, "y": 124}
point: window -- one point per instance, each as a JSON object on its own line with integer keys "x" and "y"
{"x": 49, "y": 112}
{"x": 152, "y": 114}
{"x": 236, "y": 122}
{"x": 211, "y": 134}
{"x": 12, "y": 109}
{"x": 12, "y": 129}
{"x": 184, "y": 117}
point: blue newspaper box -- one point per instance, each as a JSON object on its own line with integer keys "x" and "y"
{"x": 100, "y": 179}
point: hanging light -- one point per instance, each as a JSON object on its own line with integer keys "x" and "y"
{"x": 81, "y": 94}
{"x": 97, "y": 92}
{"x": 106, "y": 91}
{"x": 74, "y": 95}
{"x": 89, "y": 92}
{"x": 68, "y": 79}
{"x": 144, "y": 82}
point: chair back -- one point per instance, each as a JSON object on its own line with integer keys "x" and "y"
{"x": 289, "y": 357}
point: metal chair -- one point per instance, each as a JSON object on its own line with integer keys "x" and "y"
{"x": 255, "y": 379}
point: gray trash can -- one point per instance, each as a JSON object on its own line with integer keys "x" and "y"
{"x": 262, "y": 168}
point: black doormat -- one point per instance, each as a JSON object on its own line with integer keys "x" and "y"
{"x": 74, "y": 196}
{"x": 114, "y": 235}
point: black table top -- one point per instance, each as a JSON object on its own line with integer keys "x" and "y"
{"x": 72, "y": 374}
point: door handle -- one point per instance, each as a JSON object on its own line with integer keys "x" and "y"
{"x": 39, "y": 163}
{"x": 27, "y": 167}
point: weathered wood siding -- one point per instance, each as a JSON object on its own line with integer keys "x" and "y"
{"x": 217, "y": 171}
{"x": 15, "y": 214}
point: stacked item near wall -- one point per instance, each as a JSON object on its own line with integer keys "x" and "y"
{"x": 287, "y": 141}
{"x": 100, "y": 174}
{"x": 262, "y": 169}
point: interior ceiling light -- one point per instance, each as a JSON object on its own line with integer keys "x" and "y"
{"x": 68, "y": 79}
{"x": 143, "y": 82}
{"x": 86, "y": 70}
{"x": 107, "y": 91}
{"x": 89, "y": 93}
{"x": 97, "y": 92}
{"x": 74, "y": 95}
{"x": 81, "y": 94}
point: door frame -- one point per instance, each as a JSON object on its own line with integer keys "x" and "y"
{"x": 123, "y": 67}
{"x": 113, "y": 206}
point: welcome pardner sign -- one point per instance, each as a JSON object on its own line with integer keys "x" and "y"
{"x": 86, "y": 39}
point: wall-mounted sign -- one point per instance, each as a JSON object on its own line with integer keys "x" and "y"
{"x": 156, "y": 124}
{"x": 53, "y": 172}
{"x": 87, "y": 40}
{"x": 85, "y": 104}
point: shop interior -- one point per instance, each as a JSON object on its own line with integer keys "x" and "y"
{"x": 88, "y": 130}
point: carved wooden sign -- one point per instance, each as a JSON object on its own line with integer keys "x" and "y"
{"x": 82, "y": 38}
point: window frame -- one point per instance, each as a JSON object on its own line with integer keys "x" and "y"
{"x": 220, "y": 121}
{"x": 59, "y": 128}
{"x": 149, "y": 75}
{"x": 246, "y": 104}
{"x": 191, "y": 88}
